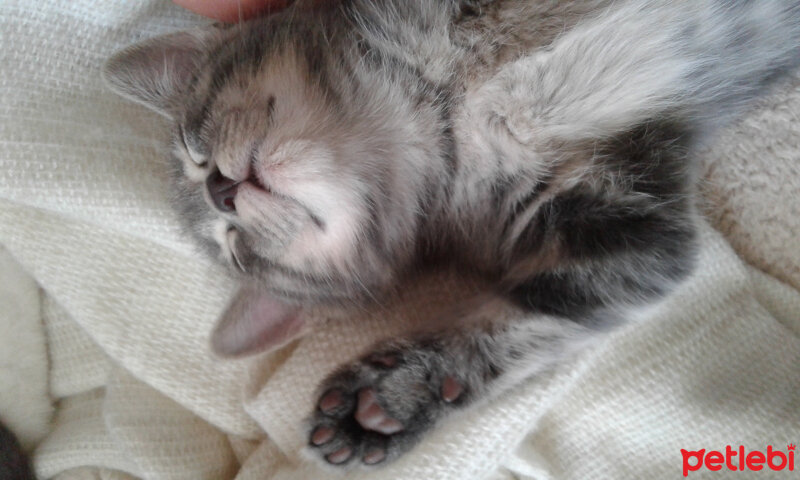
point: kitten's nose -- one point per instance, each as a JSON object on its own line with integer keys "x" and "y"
{"x": 222, "y": 191}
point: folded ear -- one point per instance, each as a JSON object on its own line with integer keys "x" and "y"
{"x": 156, "y": 71}
{"x": 255, "y": 321}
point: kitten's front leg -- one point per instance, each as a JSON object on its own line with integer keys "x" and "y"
{"x": 698, "y": 62}
{"x": 378, "y": 407}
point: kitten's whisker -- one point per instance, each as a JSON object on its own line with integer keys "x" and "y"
{"x": 232, "y": 236}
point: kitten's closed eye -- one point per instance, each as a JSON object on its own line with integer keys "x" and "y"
{"x": 199, "y": 159}
{"x": 193, "y": 165}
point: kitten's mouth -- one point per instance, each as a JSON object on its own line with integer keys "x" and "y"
{"x": 255, "y": 180}
{"x": 222, "y": 190}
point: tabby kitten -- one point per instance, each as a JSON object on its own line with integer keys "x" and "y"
{"x": 543, "y": 147}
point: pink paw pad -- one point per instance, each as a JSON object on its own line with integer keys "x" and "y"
{"x": 371, "y": 415}
{"x": 330, "y": 401}
{"x": 340, "y": 456}
{"x": 322, "y": 435}
{"x": 451, "y": 389}
{"x": 374, "y": 456}
{"x": 383, "y": 360}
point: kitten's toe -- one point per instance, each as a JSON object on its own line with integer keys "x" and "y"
{"x": 322, "y": 435}
{"x": 332, "y": 442}
{"x": 335, "y": 403}
{"x": 340, "y": 456}
{"x": 340, "y": 442}
{"x": 451, "y": 389}
{"x": 374, "y": 456}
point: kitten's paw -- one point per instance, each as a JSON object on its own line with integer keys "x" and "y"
{"x": 505, "y": 116}
{"x": 506, "y": 105}
{"x": 378, "y": 407}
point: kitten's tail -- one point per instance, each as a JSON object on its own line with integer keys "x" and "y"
{"x": 702, "y": 60}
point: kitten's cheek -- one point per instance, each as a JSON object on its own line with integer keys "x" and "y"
{"x": 284, "y": 231}
{"x": 272, "y": 220}
{"x": 333, "y": 247}
{"x": 252, "y": 203}
{"x": 191, "y": 170}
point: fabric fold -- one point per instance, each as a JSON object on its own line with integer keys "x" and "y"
{"x": 126, "y": 304}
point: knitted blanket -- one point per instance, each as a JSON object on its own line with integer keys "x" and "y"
{"x": 105, "y": 370}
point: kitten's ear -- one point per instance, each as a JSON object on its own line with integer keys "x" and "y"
{"x": 156, "y": 71}
{"x": 255, "y": 321}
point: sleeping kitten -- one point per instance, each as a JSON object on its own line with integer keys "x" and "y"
{"x": 543, "y": 147}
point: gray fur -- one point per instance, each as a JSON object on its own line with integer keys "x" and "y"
{"x": 542, "y": 147}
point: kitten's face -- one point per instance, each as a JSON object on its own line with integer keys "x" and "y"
{"x": 296, "y": 165}
{"x": 273, "y": 180}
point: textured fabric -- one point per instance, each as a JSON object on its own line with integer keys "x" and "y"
{"x": 24, "y": 402}
{"x": 127, "y": 306}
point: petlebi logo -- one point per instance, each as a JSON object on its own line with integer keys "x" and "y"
{"x": 739, "y": 459}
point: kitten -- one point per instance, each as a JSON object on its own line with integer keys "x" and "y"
{"x": 542, "y": 147}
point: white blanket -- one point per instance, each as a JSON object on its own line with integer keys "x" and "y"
{"x": 93, "y": 267}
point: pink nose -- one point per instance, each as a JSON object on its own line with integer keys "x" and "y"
{"x": 222, "y": 191}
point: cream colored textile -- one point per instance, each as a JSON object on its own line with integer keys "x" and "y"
{"x": 125, "y": 306}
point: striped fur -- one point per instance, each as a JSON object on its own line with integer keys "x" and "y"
{"x": 542, "y": 147}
